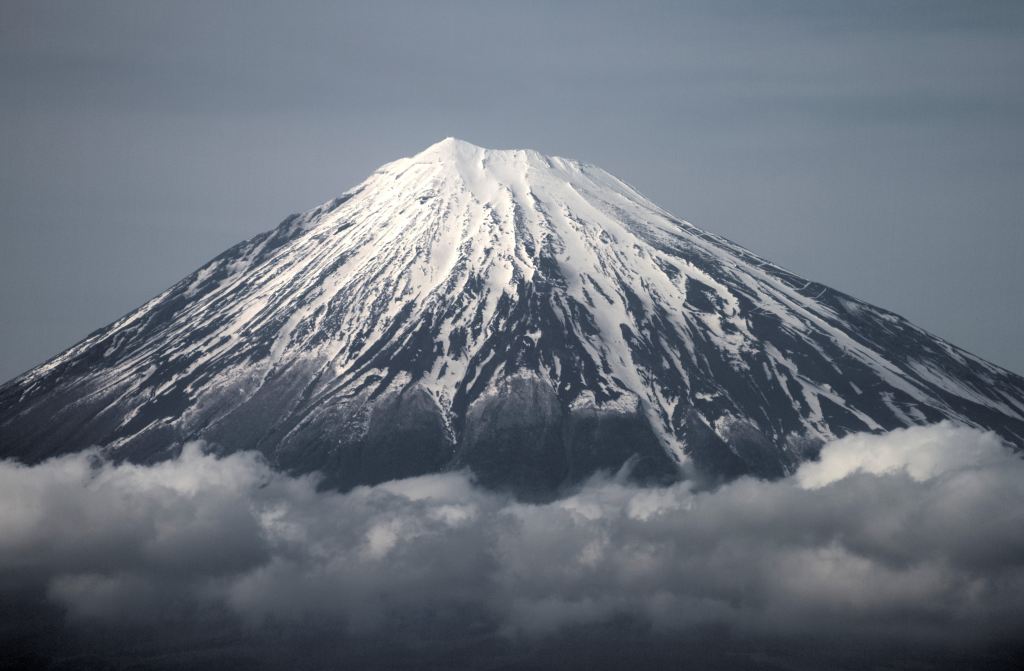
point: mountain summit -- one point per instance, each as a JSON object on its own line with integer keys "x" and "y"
{"x": 533, "y": 318}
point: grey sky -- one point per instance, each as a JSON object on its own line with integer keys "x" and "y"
{"x": 875, "y": 147}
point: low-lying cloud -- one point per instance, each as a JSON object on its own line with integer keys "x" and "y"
{"x": 911, "y": 535}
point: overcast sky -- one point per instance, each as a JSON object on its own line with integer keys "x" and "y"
{"x": 875, "y": 147}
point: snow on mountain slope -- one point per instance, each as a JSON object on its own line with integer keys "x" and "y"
{"x": 532, "y": 317}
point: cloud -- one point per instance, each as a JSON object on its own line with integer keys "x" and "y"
{"x": 908, "y": 536}
{"x": 922, "y": 452}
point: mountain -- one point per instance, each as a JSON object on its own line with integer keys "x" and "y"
{"x": 533, "y": 318}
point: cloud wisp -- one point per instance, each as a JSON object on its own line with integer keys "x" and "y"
{"x": 911, "y": 535}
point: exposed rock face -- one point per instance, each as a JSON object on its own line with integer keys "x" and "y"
{"x": 532, "y": 318}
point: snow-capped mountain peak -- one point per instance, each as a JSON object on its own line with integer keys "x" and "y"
{"x": 532, "y": 317}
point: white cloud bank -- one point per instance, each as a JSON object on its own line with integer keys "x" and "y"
{"x": 916, "y": 533}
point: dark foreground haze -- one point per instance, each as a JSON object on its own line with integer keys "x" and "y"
{"x": 898, "y": 550}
